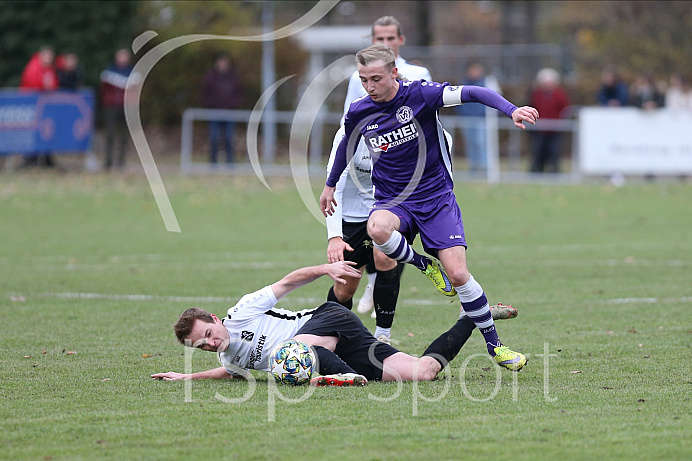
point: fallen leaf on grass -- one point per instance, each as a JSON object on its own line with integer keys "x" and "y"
{"x": 146, "y": 356}
{"x": 641, "y": 400}
{"x": 27, "y": 356}
{"x": 17, "y": 299}
{"x": 107, "y": 379}
{"x": 647, "y": 356}
{"x": 631, "y": 330}
{"x": 606, "y": 387}
{"x": 70, "y": 352}
{"x": 410, "y": 335}
{"x": 640, "y": 345}
{"x": 486, "y": 369}
{"x": 609, "y": 332}
{"x": 575, "y": 372}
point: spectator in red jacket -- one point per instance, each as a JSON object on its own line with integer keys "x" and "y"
{"x": 114, "y": 81}
{"x": 39, "y": 75}
{"x": 551, "y": 100}
{"x": 221, "y": 90}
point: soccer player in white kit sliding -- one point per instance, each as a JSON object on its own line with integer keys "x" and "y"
{"x": 347, "y": 353}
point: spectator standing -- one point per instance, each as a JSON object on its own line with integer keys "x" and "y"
{"x": 613, "y": 91}
{"x": 550, "y": 99}
{"x": 114, "y": 82}
{"x": 70, "y": 74}
{"x": 473, "y": 127}
{"x": 644, "y": 93}
{"x": 221, "y": 90}
{"x": 678, "y": 96}
{"x": 39, "y": 75}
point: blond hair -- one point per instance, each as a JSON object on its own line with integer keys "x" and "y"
{"x": 376, "y": 52}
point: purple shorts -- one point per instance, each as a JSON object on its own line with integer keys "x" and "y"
{"x": 438, "y": 221}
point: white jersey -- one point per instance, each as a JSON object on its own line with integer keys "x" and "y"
{"x": 406, "y": 70}
{"x": 256, "y": 327}
{"x": 353, "y": 193}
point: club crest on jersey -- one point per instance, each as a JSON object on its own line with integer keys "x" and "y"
{"x": 404, "y": 114}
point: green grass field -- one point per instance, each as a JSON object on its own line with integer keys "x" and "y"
{"x": 91, "y": 282}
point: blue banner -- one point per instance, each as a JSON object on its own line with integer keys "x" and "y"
{"x": 50, "y": 121}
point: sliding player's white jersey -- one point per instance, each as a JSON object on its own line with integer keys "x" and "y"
{"x": 256, "y": 327}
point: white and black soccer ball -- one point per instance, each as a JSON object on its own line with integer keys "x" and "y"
{"x": 292, "y": 362}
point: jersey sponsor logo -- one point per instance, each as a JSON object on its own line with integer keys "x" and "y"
{"x": 452, "y": 237}
{"x": 362, "y": 170}
{"x": 453, "y": 88}
{"x": 383, "y": 143}
{"x": 404, "y": 114}
{"x": 372, "y": 127}
{"x": 256, "y": 355}
{"x": 247, "y": 335}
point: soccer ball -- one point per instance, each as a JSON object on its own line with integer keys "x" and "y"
{"x": 292, "y": 362}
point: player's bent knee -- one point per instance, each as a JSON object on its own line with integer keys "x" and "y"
{"x": 429, "y": 368}
{"x": 383, "y": 262}
{"x": 344, "y": 292}
{"x": 458, "y": 276}
{"x": 381, "y": 225}
{"x": 378, "y": 232}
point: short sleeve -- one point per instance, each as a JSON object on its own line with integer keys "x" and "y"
{"x": 253, "y": 304}
{"x": 432, "y": 93}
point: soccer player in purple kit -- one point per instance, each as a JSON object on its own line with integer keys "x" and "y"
{"x": 412, "y": 179}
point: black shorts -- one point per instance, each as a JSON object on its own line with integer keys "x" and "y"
{"x": 355, "y": 341}
{"x": 356, "y": 235}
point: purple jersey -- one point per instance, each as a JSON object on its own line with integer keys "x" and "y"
{"x": 411, "y": 159}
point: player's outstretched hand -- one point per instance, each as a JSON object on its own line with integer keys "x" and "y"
{"x": 340, "y": 269}
{"x": 524, "y": 114}
{"x": 336, "y": 248}
{"x": 170, "y": 376}
{"x": 327, "y": 201}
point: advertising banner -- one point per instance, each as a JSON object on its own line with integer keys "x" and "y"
{"x": 52, "y": 121}
{"x": 630, "y": 140}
